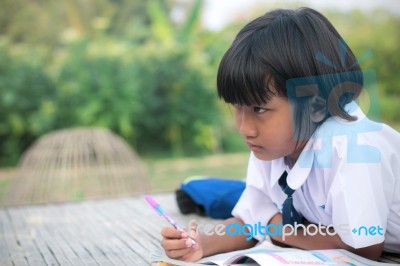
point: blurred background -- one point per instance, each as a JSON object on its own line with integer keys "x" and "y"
{"x": 146, "y": 70}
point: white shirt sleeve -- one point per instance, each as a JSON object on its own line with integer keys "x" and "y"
{"x": 359, "y": 198}
{"x": 363, "y": 180}
{"x": 255, "y": 206}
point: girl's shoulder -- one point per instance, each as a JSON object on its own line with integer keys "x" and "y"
{"x": 360, "y": 141}
{"x": 361, "y": 128}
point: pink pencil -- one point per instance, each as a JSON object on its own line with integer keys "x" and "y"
{"x": 162, "y": 213}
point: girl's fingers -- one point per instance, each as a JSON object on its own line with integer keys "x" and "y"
{"x": 179, "y": 253}
{"x": 175, "y": 244}
{"x": 172, "y": 233}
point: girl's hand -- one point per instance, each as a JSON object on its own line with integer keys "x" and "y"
{"x": 177, "y": 245}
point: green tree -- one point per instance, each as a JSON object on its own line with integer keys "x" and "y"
{"x": 27, "y": 105}
{"x": 158, "y": 93}
{"x": 374, "y": 37}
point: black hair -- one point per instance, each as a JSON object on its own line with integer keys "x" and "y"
{"x": 285, "y": 45}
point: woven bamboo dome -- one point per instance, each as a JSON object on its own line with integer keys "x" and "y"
{"x": 74, "y": 164}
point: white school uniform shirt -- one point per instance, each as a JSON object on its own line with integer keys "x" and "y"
{"x": 348, "y": 176}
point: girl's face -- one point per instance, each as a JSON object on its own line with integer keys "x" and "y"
{"x": 267, "y": 129}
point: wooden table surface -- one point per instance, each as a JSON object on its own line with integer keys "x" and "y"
{"x": 120, "y": 231}
{"x": 123, "y": 231}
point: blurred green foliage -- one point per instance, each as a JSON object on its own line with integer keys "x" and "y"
{"x": 128, "y": 66}
{"x": 374, "y": 38}
{"x": 26, "y": 104}
{"x": 153, "y": 86}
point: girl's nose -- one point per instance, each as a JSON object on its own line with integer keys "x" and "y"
{"x": 246, "y": 126}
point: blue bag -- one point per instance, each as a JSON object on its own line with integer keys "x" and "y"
{"x": 209, "y": 196}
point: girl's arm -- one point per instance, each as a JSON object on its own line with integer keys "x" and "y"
{"x": 177, "y": 246}
{"x": 215, "y": 244}
{"x": 326, "y": 241}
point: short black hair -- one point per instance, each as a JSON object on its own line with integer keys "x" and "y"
{"x": 283, "y": 45}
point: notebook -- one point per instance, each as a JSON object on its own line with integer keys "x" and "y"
{"x": 269, "y": 254}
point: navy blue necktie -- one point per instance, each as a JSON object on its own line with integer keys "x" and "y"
{"x": 289, "y": 213}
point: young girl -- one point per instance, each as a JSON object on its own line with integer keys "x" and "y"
{"x": 315, "y": 158}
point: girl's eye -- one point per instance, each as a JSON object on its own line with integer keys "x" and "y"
{"x": 259, "y": 110}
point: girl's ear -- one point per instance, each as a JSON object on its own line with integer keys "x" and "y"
{"x": 317, "y": 107}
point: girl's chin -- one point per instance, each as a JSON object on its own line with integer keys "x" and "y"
{"x": 265, "y": 156}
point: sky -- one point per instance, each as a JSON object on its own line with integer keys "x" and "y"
{"x": 217, "y": 13}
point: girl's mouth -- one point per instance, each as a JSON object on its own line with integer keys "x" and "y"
{"x": 254, "y": 147}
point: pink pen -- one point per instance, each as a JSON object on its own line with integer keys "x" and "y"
{"x": 162, "y": 213}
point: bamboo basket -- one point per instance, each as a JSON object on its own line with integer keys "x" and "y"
{"x": 76, "y": 164}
